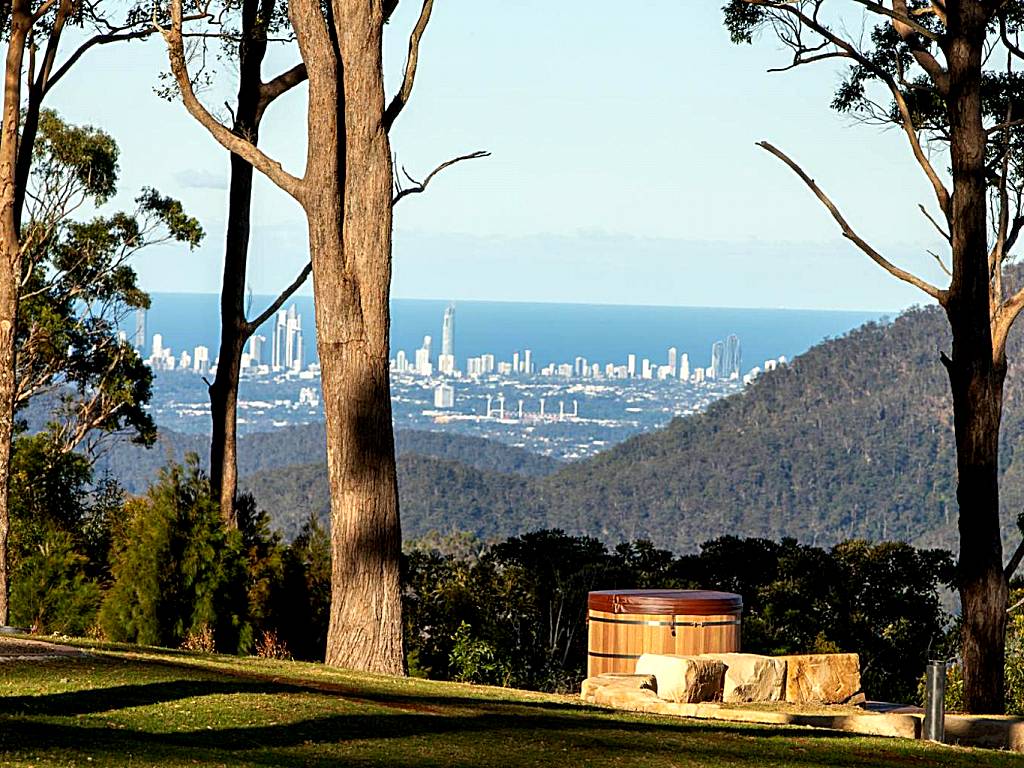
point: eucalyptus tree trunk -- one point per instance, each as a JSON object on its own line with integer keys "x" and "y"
{"x": 10, "y": 270}
{"x": 234, "y": 330}
{"x": 347, "y": 193}
{"x": 977, "y": 369}
{"x": 349, "y": 205}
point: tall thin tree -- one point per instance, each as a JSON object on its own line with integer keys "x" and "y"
{"x": 947, "y": 75}
{"x": 258, "y": 19}
{"x": 347, "y": 193}
{"x": 32, "y": 68}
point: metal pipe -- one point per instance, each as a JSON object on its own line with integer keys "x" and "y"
{"x": 934, "y": 727}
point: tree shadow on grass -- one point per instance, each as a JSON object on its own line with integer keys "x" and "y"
{"x": 515, "y": 738}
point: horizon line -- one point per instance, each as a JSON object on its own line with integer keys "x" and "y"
{"x": 877, "y": 311}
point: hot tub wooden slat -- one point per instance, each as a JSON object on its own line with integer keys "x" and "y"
{"x": 625, "y": 624}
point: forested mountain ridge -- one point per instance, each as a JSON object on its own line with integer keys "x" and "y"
{"x": 135, "y": 467}
{"x": 852, "y": 439}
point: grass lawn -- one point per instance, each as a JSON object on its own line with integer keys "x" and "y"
{"x": 146, "y": 707}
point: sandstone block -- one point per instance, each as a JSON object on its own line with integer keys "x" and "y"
{"x": 621, "y": 691}
{"x": 620, "y": 680}
{"x": 750, "y": 677}
{"x": 686, "y": 679}
{"x": 822, "y": 678}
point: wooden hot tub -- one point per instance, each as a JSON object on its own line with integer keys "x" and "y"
{"x": 626, "y": 623}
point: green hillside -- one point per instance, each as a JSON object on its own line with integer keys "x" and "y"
{"x": 852, "y": 439}
{"x": 136, "y": 467}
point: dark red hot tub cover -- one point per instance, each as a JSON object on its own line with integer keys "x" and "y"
{"x": 688, "y": 602}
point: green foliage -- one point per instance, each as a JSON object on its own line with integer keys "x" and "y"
{"x": 177, "y": 571}
{"x": 515, "y": 611}
{"x": 475, "y": 661}
{"x": 86, "y": 155}
{"x": 852, "y": 440}
{"x": 51, "y": 591}
{"x": 79, "y": 285}
{"x": 301, "y": 607}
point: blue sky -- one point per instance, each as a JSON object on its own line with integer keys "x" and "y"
{"x": 623, "y": 171}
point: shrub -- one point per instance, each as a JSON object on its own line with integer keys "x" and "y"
{"x": 177, "y": 570}
{"x": 50, "y": 590}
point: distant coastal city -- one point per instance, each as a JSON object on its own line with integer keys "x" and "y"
{"x": 569, "y": 408}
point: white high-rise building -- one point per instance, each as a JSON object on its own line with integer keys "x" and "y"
{"x": 448, "y": 332}
{"x": 646, "y": 371}
{"x": 140, "y": 330}
{"x": 487, "y": 361}
{"x": 401, "y": 362}
{"x": 158, "y": 345}
{"x": 256, "y": 343}
{"x": 684, "y": 367}
{"x": 444, "y": 396}
{"x": 446, "y": 364}
{"x": 423, "y": 365}
{"x": 672, "y": 354}
{"x": 631, "y": 366}
{"x": 277, "y": 350}
{"x": 528, "y": 362}
{"x": 201, "y": 360}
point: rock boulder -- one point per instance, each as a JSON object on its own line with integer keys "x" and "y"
{"x": 750, "y": 677}
{"x": 685, "y": 679}
{"x": 822, "y": 678}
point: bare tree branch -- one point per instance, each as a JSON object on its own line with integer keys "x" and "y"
{"x": 280, "y": 85}
{"x": 899, "y": 15}
{"x": 280, "y": 300}
{"x": 402, "y": 97}
{"x": 935, "y": 224}
{"x": 942, "y": 264}
{"x": 224, "y": 136}
{"x": 906, "y": 117}
{"x": 421, "y": 186}
{"x": 849, "y": 234}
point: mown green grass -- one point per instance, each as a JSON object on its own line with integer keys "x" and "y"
{"x": 147, "y": 707}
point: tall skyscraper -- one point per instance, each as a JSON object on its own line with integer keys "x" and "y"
{"x": 140, "y": 330}
{"x": 684, "y": 367}
{"x": 672, "y": 352}
{"x": 256, "y": 343}
{"x": 732, "y": 358}
{"x": 528, "y": 362}
{"x": 717, "y": 367}
{"x": 201, "y": 360}
{"x": 631, "y": 366}
{"x": 277, "y": 360}
{"x": 448, "y": 331}
{"x": 423, "y": 365}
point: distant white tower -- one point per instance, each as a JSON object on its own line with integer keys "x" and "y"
{"x": 528, "y": 362}
{"x": 277, "y": 351}
{"x": 631, "y": 366}
{"x": 448, "y": 332}
{"x": 684, "y": 367}
{"x": 256, "y": 343}
{"x": 201, "y": 360}
{"x": 423, "y": 365}
{"x": 672, "y": 354}
{"x": 140, "y": 330}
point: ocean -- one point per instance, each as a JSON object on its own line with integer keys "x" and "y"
{"x": 554, "y": 332}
